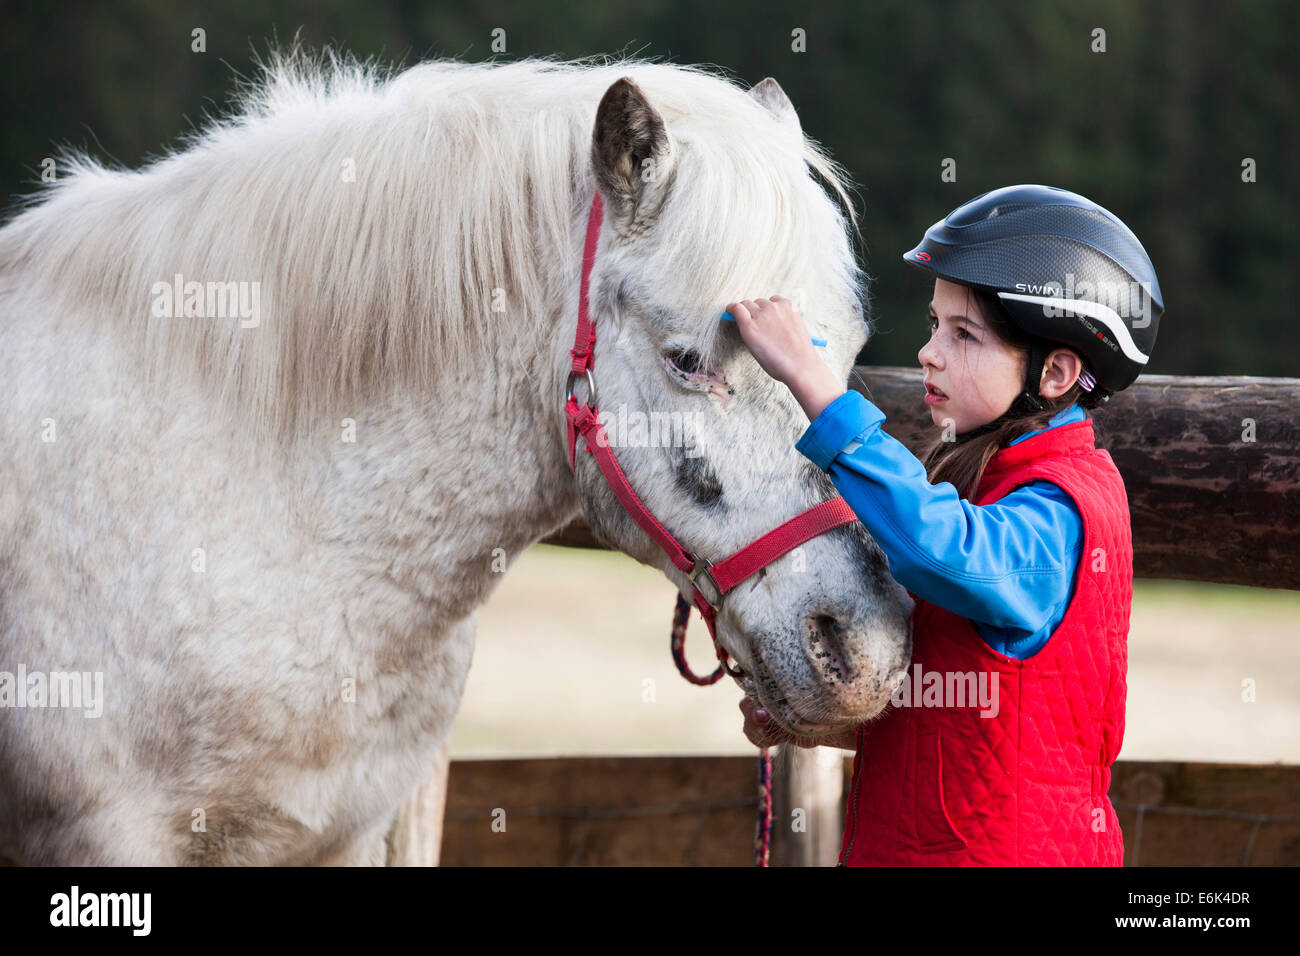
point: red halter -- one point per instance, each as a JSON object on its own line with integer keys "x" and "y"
{"x": 723, "y": 576}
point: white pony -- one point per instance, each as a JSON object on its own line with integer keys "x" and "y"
{"x": 278, "y": 410}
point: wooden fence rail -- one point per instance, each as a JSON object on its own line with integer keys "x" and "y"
{"x": 1211, "y": 464}
{"x": 699, "y": 811}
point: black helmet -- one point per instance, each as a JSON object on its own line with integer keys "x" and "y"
{"x": 1068, "y": 272}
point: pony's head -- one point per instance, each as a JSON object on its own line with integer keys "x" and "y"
{"x": 708, "y": 198}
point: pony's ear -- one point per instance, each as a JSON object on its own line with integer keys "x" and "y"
{"x": 768, "y": 92}
{"x": 632, "y": 155}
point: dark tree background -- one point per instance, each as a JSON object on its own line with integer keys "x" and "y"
{"x": 1155, "y": 128}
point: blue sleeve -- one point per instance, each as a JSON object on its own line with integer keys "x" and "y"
{"x": 1009, "y": 564}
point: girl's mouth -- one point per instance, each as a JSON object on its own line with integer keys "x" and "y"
{"x": 933, "y": 396}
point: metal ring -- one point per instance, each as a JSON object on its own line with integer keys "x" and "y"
{"x": 591, "y": 387}
{"x": 702, "y": 568}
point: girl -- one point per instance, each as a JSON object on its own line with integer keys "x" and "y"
{"x": 1011, "y": 534}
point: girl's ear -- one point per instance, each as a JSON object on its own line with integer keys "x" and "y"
{"x": 1060, "y": 371}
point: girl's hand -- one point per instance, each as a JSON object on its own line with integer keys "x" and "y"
{"x": 776, "y": 336}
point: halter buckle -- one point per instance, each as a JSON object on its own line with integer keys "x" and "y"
{"x": 701, "y": 568}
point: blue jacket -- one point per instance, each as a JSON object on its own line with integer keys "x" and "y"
{"x": 1009, "y": 567}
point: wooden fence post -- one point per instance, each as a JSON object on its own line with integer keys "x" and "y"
{"x": 809, "y": 782}
{"x": 416, "y": 835}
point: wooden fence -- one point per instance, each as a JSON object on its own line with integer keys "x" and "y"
{"x": 699, "y": 811}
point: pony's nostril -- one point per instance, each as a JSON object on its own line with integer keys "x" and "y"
{"x": 826, "y": 644}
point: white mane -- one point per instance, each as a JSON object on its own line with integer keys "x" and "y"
{"x": 468, "y": 180}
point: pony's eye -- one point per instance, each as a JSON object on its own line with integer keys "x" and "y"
{"x": 687, "y": 361}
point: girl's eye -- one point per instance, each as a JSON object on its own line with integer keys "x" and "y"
{"x": 961, "y": 332}
{"x": 687, "y": 361}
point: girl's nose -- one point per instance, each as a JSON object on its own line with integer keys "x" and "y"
{"x": 927, "y": 355}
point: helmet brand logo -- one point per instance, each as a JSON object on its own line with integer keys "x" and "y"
{"x": 1097, "y": 332}
{"x": 1125, "y": 299}
{"x": 1050, "y": 288}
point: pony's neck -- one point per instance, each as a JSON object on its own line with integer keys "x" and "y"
{"x": 444, "y": 491}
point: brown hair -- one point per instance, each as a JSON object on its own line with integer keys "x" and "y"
{"x": 962, "y": 462}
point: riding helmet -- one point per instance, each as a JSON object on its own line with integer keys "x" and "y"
{"x": 1066, "y": 270}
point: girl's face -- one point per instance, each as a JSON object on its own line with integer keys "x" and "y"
{"x": 964, "y": 360}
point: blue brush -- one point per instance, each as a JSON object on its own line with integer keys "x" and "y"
{"x": 820, "y": 343}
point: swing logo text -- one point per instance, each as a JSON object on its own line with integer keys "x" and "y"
{"x": 921, "y": 688}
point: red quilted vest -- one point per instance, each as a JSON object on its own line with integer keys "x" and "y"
{"x": 942, "y": 785}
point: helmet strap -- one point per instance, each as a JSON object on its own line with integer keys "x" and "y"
{"x": 1029, "y": 400}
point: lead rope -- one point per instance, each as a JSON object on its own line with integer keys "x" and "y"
{"x": 763, "y": 825}
{"x": 763, "y": 828}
